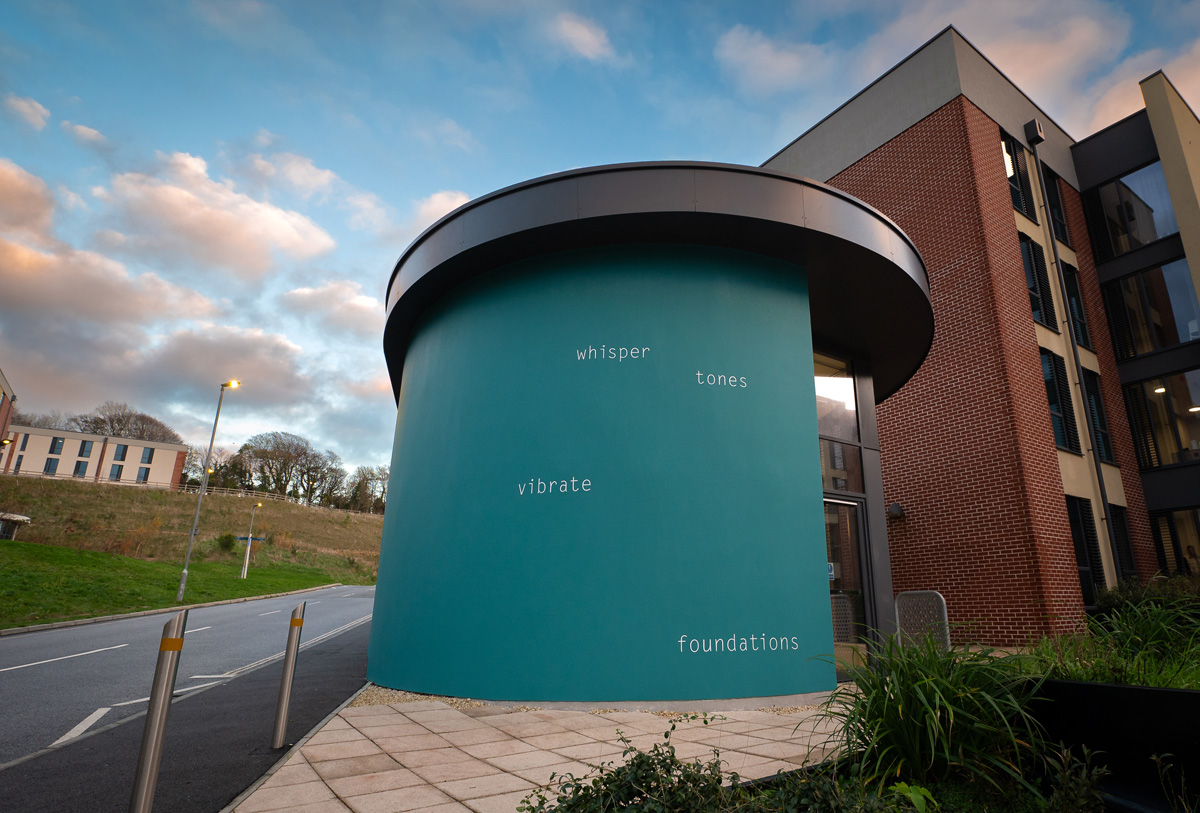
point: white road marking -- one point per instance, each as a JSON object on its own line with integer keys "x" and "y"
{"x": 83, "y": 726}
{"x": 193, "y": 688}
{"x": 343, "y": 595}
{"x": 131, "y": 702}
{"x": 277, "y": 655}
{"x": 198, "y": 629}
{"x": 311, "y": 603}
{"x": 260, "y": 615}
{"x": 63, "y": 658}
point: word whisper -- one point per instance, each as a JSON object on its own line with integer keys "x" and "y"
{"x": 618, "y": 353}
{"x": 549, "y": 488}
{"x": 755, "y": 643}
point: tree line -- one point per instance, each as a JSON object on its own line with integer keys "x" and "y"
{"x": 274, "y": 462}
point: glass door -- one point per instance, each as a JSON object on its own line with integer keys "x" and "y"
{"x": 847, "y": 591}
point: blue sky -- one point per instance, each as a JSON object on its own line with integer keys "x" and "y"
{"x": 194, "y": 190}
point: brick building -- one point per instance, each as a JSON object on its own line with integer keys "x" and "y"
{"x": 1048, "y": 446}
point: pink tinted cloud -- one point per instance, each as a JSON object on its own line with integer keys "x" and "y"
{"x": 183, "y": 213}
{"x": 28, "y": 110}
{"x": 339, "y": 305}
{"x": 26, "y": 203}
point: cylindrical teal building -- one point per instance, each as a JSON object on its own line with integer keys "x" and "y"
{"x": 614, "y": 455}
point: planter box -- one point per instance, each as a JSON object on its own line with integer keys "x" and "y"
{"x": 1129, "y": 724}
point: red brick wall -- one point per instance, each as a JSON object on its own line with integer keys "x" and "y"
{"x": 1140, "y": 535}
{"x": 967, "y": 444}
{"x": 177, "y": 475}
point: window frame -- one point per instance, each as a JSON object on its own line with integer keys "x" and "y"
{"x": 1075, "y": 306}
{"x": 1054, "y": 205}
{"x": 85, "y": 448}
{"x": 1037, "y": 280}
{"x": 115, "y": 472}
{"x": 1093, "y": 398}
{"x": 1019, "y": 185}
{"x": 1055, "y": 378}
{"x": 80, "y": 469}
{"x": 143, "y": 475}
{"x": 121, "y": 451}
{"x": 147, "y": 455}
{"x": 51, "y": 466}
{"x": 56, "y": 445}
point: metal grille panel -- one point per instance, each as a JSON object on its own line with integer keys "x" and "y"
{"x": 921, "y": 613}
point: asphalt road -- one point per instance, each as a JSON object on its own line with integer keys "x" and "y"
{"x": 59, "y": 684}
{"x": 217, "y": 743}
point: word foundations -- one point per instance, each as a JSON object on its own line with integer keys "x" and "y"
{"x": 549, "y": 488}
{"x": 755, "y": 643}
{"x": 618, "y": 353}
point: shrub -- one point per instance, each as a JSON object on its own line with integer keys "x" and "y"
{"x": 226, "y": 542}
{"x": 922, "y": 714}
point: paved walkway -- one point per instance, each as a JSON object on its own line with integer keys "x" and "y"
{"x": 429, "y": 757}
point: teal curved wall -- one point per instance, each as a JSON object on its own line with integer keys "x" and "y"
{"x": 663, "y": 509}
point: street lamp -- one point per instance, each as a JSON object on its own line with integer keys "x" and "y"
{"x": 250, "y": 539}
{"x": 233, "y": 384}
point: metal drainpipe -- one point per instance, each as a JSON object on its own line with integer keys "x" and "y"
{"x": 1033, "y": 134}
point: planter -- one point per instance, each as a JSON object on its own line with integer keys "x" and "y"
{"x": 1129, "y": 724}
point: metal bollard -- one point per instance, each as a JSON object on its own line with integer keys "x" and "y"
{"x": 289, "y": 671}
{"x": 169, "y": 650}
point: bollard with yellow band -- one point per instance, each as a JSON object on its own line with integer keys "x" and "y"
{"x": 169, "y": 650}
{"x": 289, "y": 671}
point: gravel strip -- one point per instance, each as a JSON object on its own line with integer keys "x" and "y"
{"x": 378, "y": 696}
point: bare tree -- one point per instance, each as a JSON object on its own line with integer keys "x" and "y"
{"x": 277, "y": 458}
{"x": 42, "y": 420}
{"x": 123, "y": 421}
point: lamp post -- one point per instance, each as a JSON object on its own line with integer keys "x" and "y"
{"x": 232, "y": 384}
{"x": 250, "y": 539}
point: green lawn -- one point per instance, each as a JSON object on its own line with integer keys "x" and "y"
{"x": 43, "y": 583}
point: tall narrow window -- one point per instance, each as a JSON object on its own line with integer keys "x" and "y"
{"x": 148, "y": 455}
{"x": 1058, "y": 214}
{"x": 1096, "y": 415}
{"x": 1018, "y": 175}
{"x": 24, "y": 441}
{"x": 51, "y": 466}
{"x": 122, "y": 450}
{"x": 1075, "y": 304}
{"x": 143, "y": 474}
{"x": 80, "y": 468}
{"x": 115, "y": 472}
{"x": 56, "y": 445}
{"x": 85, "y": 448}
{"x": 1037, "y": 279}
{"x": 20, "y": 458}
{"x": 1058, "y": 395}
{"x": 1118, "y": 519}
{"x": 1087, "y": 548}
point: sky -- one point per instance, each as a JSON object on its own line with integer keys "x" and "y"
{"x": 198, "y": 190}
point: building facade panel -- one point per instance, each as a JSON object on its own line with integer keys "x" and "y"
{"x": 64, "y": 454}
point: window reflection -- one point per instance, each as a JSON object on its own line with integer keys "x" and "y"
{"x": 841, "y": 466}
{"x": 836, "y": 410}
{"x": 1154, "y": 309}
{"x": 1137, "y": 209}
{"x": 1166, "y": 419}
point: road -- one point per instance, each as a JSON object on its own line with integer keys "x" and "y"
{"x": 60, "y": 684}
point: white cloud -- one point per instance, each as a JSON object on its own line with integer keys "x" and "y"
{"x": 581, "y": 36}
{"x": 762, "y": 67}
{"x": 84, "y": 135}
{"x": 304, "y": 176}
{"x": 265, "y": 138}
{"x": 186, "y": 214}
{"x": 370, "y": 213}
{"x": 71, "y": 200}
{"x": 28, "y": 110}
{"x": 340, "y": 305}
{"x": 438, "y": 204}
{"x": 26, "y": 205}
{"x": 450, "y": 133}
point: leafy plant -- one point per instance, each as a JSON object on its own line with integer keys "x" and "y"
{"x": 1178, "y": 796}
{"x": 226, "y": 542}
{"x": 920, "y": 713}
{"x": 1076, "y": 782}
{"x": 920, "y": 798}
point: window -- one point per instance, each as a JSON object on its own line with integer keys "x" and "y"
{"x": 1038, "y": 281}
{"x": 1018, "y": 175}
{"x": 122, "y": 450}
{"x": 24, "y": 440}
{"x": 841, "y": 466}
{"x": 143, "y": 474}
{"x": 1152, "y": 310}
{"x": 85, "y": 448}
{"x": 1164, "y": 415}
{"x": 1118, "y": 519}
{"x": 51, "y": 466}
{"x": 80, "y": 468}
{"x": 1087, "y": 548}
{"x": 1130, "y": 212}
{"x": 17, "y": 470}
{"x": 1075, "y": 305}
{"x": 147, "y": 455}
{"x": 1096, "y": 416}
{"x": 115, "y": 472}
{"x": 1058, "y": 395}
{"x": 56, "y": 445}
{"x": 1058, "y": 214}
{"x": 837, "y": 414}
{"x": 1177, "y": 541}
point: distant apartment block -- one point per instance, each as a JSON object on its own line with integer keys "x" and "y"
{"x": 61, "y": 453}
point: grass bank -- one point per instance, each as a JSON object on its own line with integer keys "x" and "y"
{"x": 40, "y": 584}
{"x": 96, "y": 549}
